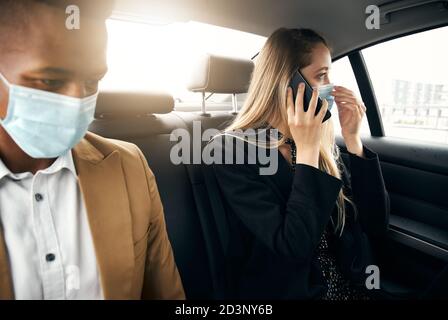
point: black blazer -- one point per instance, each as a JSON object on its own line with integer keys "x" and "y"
{"x": 275, "y": 224}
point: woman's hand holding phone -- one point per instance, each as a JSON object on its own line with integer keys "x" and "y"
{"x": 305, "y": 127}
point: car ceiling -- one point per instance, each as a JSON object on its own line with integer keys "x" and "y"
{"x": 342, "y": 22}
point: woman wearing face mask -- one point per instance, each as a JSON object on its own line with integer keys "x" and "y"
{"x": 302, "y": 233}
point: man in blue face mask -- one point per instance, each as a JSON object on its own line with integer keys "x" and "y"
{"x": 74, "y": 224}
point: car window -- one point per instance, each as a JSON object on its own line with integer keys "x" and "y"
{"x": 410, "y": 79}
{"x": 159, "y": 57}
{"x": 341, "y": 74}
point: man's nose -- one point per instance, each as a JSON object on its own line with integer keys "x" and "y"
{"x": 77, "y": 90}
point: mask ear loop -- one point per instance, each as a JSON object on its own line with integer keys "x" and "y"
{"x": 8, "y": 87}
{"x": 5, "y": 81}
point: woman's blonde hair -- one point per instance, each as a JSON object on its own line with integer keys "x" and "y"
{"x": 285, "y": 52}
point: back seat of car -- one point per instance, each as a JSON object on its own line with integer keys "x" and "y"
{"x": 147, "y": 120}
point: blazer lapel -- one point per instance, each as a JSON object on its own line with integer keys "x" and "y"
{"x": 6, "y": 290}
{"x": 283, "y": 178}
{"x": 105, "y": 196}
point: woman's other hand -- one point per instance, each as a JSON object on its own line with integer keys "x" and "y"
{"x": 351, "y": 111}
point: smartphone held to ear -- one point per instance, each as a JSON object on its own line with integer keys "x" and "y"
{"x": 294, "y": 84}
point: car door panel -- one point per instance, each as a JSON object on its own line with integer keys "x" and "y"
{"x": 415, "y": 250}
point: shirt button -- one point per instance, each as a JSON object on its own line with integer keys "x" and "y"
{"x": 38, "y": 197}
{"x": 50, "y": 257}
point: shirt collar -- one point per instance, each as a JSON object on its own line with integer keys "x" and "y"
{"x": 63, "y": 162}
{"x": 4, "y": 171}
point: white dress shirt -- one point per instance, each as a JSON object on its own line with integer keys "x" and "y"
{"x": 47, "y": 233}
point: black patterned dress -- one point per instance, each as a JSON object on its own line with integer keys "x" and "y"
{"x": 338, "y": 287}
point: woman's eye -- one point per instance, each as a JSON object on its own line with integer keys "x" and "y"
{"x": 321, "y": 76}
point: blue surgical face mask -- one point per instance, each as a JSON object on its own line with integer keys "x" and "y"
{"x": 45, "y": 124}
{"x": 325, "y": 93}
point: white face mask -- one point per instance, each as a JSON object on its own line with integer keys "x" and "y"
{"x": 45, "y": 124}
{"x": 325, "y": 92}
